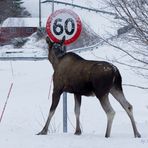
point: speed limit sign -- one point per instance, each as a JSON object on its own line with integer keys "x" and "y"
{"x": 64, "y": 22}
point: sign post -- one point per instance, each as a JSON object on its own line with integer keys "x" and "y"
{"x": 65, "y": 112}
{"x": 40, "y": 22}
{"x": 64, "y": 22}
{"x": 52, "y": 6}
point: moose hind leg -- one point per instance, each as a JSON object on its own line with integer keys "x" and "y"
{"x": 55, "y": 101}
{"x": 77, "y": 113}
{"x": 119, "y": 96}
{"x": 109, "y": 112}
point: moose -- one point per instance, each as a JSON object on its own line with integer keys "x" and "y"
{"x": 76, "y": 75}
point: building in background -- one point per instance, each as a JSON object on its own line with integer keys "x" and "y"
{"x": 18, "y": 28}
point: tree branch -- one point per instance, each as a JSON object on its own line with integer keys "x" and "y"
{"x": 121, "y": 49}
{"x": 132, "y": 85}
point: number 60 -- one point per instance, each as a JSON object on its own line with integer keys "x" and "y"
{"x": 58, "y": 29}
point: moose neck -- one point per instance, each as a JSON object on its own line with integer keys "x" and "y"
{"x": 53, "y": 59}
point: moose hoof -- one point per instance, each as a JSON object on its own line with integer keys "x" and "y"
{"x": 137, "y": 135}
{"x": 78, "y": 133}
{"x": 43, "y": 132}
{"x": 107, "y": 136}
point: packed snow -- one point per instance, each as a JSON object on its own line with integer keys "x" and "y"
{"x": 28, "y": 105}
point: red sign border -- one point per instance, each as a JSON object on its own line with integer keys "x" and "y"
{"x": 79, "y": 26}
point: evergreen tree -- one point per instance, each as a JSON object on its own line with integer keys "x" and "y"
{"x": 4, "y": 12}
{"x": 12, "y": 8}
{"x": 16, "y": 8}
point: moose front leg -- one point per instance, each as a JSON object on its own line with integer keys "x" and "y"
{"x": 55, "y": 101}
{"x": 77, "y": 113}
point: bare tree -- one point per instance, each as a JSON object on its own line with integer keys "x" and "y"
{"x": 12, "y": 8}
{"x": 132, "y": 19}
{"x": 134, "y": 14}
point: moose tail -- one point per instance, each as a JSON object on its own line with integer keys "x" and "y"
{"x": 118, "y": 80}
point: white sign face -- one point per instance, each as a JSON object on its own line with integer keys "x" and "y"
{"x": 64, "y": 23}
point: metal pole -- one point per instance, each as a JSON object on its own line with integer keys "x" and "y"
{"x": 4, "y": 108}
{"x": 52, "y": 6}
{"x": 81, "y": 7}
{"x": 39, "y": 13}
{"x": 65, "y": 112}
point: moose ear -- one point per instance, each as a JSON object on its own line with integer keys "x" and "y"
{"x": 63, "y": 40}
{"x": 49, "y": 42}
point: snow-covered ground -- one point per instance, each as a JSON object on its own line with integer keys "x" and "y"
{"x": 28, "y": 107}
{"x": 32, "y": 48}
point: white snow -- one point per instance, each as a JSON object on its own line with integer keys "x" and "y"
{"x": 23, "y": 22}
{"x": 28, "y": 107}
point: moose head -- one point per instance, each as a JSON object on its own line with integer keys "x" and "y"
{"x": 58, "y": 48}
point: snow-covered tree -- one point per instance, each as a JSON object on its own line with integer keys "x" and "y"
{"x": 12, "y": 8}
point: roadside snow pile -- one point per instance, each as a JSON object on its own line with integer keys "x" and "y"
{"x": 34, "y": 41}
{"x": 34, "y": 47}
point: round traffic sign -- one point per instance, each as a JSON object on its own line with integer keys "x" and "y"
{"x": 64, "y": 22}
